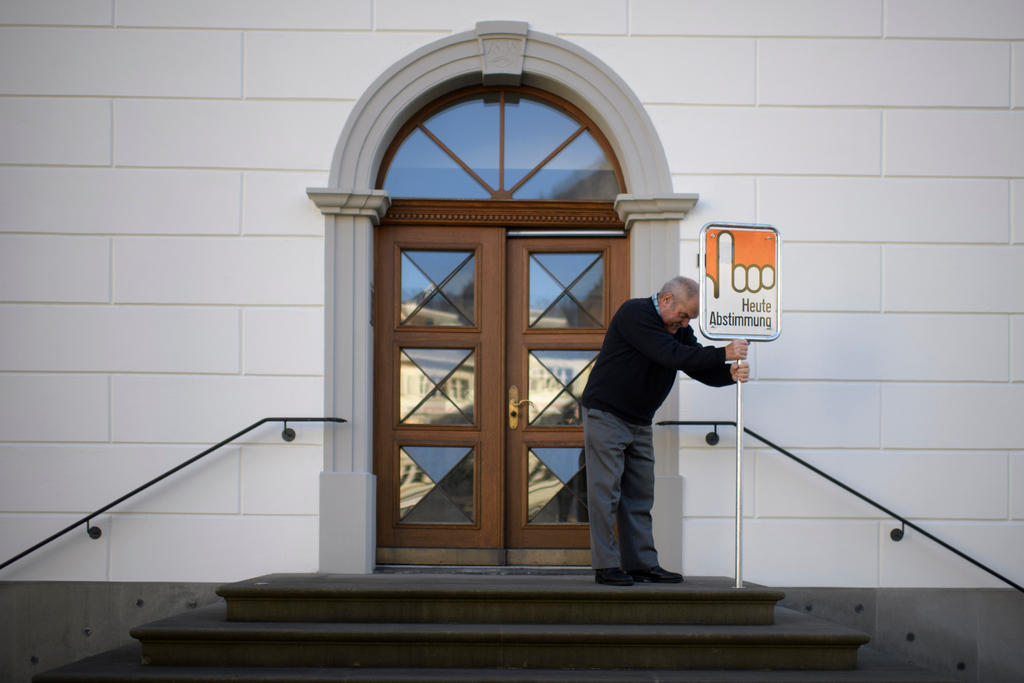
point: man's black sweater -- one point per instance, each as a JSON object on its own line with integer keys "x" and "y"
{"x": 638, "y": 361}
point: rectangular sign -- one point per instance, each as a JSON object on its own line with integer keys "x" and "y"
{"x": 740, "y": 287}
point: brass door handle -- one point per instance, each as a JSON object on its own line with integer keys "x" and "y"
{"x": 513, "y": 406}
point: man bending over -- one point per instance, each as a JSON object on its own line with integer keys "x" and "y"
{"x": 648, "y": 340}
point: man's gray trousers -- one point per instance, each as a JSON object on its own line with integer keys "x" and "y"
{"x": 620, "y": 487}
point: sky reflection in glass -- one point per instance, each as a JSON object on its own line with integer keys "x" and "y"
{"x": 580, "y": 171}
{"x": 422, "y": 169}
{"x": 533, "y": 130}
{"x": 470, "y": 129}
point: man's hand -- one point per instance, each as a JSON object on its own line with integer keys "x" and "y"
{"x": 740, "y": 372}
{"x": 737, "y": 349}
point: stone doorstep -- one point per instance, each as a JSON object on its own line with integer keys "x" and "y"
{"x": 568, "y": 651}
{"x": 123, "y": 666}
{"x": 538, "y": 599}
{"x": 795, "y": 641}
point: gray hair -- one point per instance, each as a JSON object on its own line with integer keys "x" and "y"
{"x": 680, "y": 288}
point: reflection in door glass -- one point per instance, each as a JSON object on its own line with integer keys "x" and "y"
{"x": 556, "y": 483}
{"x": 438, "y": 288}
{"x": 422, "y": 169}
{"x": 435, "y": 485}
{"x": 436, "y": 386}
{"x": 557, "y": 380}
{"x": 532, "y": 131}
{"x": 502, "y": 145}
{"x": 580, "y": 171}
{"x": 469, "y": 129}
{"x": 566, "y": 290}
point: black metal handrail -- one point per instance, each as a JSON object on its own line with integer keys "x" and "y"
{"x": 288, "y": 434}
{"x": 895, "y": 534}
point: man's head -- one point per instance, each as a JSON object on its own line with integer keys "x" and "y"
{"x": 679, "y": 302}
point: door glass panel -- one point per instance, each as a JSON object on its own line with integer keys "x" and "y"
{"x": 471, "y": 130}
{"x": 557, "y": 379}
{"x": 580, "y": 171}
{"x": 422, "y": 169}
{"x": 533, "y": 130}
{"x": 566, "y": 290}
{"x": 436, "y": 386}
{"x": 435, "y": 485}
{"x": 438, "y": 288}
{"x": 556, "y": 486}
{"x": 431, "y": 160}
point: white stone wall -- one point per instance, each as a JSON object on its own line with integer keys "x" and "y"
{"x": 161, "y": 272}
{"x": 885, "y": 140}
{"x": 161, "y": 268}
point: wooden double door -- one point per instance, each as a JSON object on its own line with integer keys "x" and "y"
{"x": 483, "y": 345}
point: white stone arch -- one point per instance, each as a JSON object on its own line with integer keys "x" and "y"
{"x": 494, "y": 53}
{"x": 518, "y": 56}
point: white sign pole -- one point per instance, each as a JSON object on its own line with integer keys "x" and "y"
{"x": 740, "y": 298}
{"x": 739, "y": 481}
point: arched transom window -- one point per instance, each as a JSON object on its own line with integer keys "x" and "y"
{"x": 501, "y": 143}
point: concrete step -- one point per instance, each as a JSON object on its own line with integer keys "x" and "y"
{"x": 468, "y": 598}
{"x": 124, "y": 666}
{"x": 204, "y": 638}
{"x": 459, "y": 627}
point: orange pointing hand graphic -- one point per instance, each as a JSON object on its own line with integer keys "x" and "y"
{"x": 744, "y": 259}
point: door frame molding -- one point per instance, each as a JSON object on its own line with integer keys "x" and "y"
{"x": 493, "y": 53}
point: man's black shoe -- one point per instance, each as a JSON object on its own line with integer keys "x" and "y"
{"x": 613, "y": 576}
{"x": 655, "y": 574}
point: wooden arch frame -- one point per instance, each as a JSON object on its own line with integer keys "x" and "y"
{"x": 586, "y": 124}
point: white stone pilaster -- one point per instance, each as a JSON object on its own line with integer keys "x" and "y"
{"x": 347, "y": 483}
